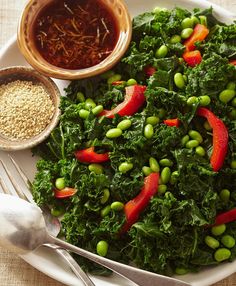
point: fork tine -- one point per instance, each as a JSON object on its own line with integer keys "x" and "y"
{"x": 3, "y": 188}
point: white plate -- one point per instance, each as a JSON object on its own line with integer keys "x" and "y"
{"x": 47, "y": 261}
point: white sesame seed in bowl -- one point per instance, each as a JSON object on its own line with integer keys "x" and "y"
{"x": 29, "y": 108}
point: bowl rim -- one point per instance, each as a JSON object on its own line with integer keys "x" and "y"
{"x": 50, "y": 70}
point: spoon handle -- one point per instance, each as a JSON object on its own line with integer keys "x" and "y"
{"x": 138, "y": 276}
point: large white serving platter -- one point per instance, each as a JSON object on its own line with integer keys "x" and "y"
{"x": 47, "y": 261}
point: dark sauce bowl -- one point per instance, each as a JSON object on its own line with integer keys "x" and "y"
{"x": 26, "y": 38}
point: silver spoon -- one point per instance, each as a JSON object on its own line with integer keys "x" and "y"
{"x": 23, "y": 229}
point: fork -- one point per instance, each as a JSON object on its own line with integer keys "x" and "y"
{"x": 24, "y": 193}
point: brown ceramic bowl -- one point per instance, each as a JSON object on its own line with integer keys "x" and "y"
{"x": 13, "y": 74}
{"x": 29, "y": 50}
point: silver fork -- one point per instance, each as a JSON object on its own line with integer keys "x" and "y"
{"x": 24, "y": 193}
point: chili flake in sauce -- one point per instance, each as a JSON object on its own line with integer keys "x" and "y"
{"x": 75, "y": 34}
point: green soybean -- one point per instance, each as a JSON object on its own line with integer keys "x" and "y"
{"x": 234, "y": 102}
{"x": 162, "y": 189}
{"x": 154, "y": 165}
{"x": 184, "y": 140}
{"x": 179, "y": 80}
{"x": 204, "y": 100}
{"x": 191, "y": 100}
{"x": 159, "y": 9}
{"x": 195, "y": 20}
{"x": 83, "y": 113}
{"x": 227, "y": 95}
{"x": 195, "y": 135}
{"x": 148, "y": 131}
{"x": 231, "y": 85}
{"x": 174, "y": 177}
{"x": 200, "y": 151}
{"x": 114, "y": 133}
{"x": 125, "y": 167}
{"x": 131, "y": 81}
{"x": 96, "y": 168}
{"x": 232, "y": 113}
{"x": 102, "y": 248}
{"x": 161, "y": 52}
{"x": 186, "y": 33}
{"x": 218, "y": 229}
{"x": 57, "y": 211}
{"x": 124, "y": 124}
{"x": 185, "y": 78}
{"x": 175, "y": 39}
{"x": 228, "y": 241}
{"x": 60, "y": 183}
{"x": 80, "y": 96}
{"x": 146, "y": 170}
{"x": 207, "y": 126}
{"x": 89, "y": 103}
{"x": 225, "y": 195}
{"x": 166, "y": 162}
{"x": 222, "y": 254}
{"x": 117, "y": 206}
{"x": 98, "y": 109}
{"x": 203, "y": 20}
{"x": 233, "y": 164}
{"x": 153, "y": 120}
{"x": 212, "y": 242}
{"x": 187, "y": 23}
{"x": 105, "y": 197}
{"x": 107, "y": 74}
{"x": 105, "y": 211}
{"x": 113, "y": 78}
{"x": 181, "y": 271}
{"x": 192, "y": 144}
{"x": 165, "y": 175}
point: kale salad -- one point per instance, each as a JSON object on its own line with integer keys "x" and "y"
{"x": 142, "y": 165}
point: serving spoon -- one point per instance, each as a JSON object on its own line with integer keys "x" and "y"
{"x": 23, "y": 229}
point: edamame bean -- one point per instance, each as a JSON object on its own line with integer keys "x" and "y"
{"x": 98, "y": 109}
{"x": 181, "y": 271}
{"x": 179, "y": 80}
{"x": 102, "y": 248}
{"x": 125, "y": 167}
{"x": 107, "y": 74}
{"x": 232, "y": 113}
{"x": 162, "y": 189}
{"x": 204, "y": 100}
{"x": 148, "y": 131}
{"x": 60, "y": 183}
{"x": 159, "y": 9}
{"x": 115, "y": 77}
{"x": 181, "y": 60}
{"x": 200, "y": 151}
{"x": 153, "y": 120}
{"x": 175, "y": 39}
{"x": 166, "y": 162}
{"x": 192, "y": 144}
{"x": 117, "y": 206}
{"x": 105, "y": 211}
{"x": 161, "y": 52}
{"x": 234, "y": 102}
{"x": 165, "y": 175}
{"x": 195, "y": 20}
{"x": 226, "y": 95}
{"x": 124, "y": 124}
{"x": 212, "y": 242}
{"x": 96, "y": 168}
{"x": 80, "y": 97}
{"x": 185, "y": 78}
{"x": 174, "y": 177}
{"x": 231, "y": 85}
{"x": 89, "y": 103}
{"x": 195, "y": 135}
{"x": 225, "y": 195}
{"x": 187, "y": 23}
{"x": 186, "y": 33}
{"x": 228, "y": 241}
{"x": 233, "y": 164}
{"x": 146, "y": 170}
{"x": 218, "y": 229}
{"x": 114, "y": 133}
{"x": 191, "y": 100}
{"x": 131, "y": 81}
{"x": 105, "y": 197}
{"x": 83, "y": 113}
{"x": 57, "y": 211}
{"x": 207, "y": 126}
{"x": 184, "y": 140}
{"x": 154, "y": 165}
{"x": 203, "y": 20}
{"x": 222, "y": 254}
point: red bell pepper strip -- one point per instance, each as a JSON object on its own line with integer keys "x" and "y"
{"x": 118, "y": 82}
{"x": 89, "y": 156}
{"x": 225, "y": 217}
{"x": 134, "y": 207}
{"x": 233, "y": 62}
{"x": 64, "y": 193}
{"x": 192, "y": 58}
{"x": 149, "y": 71}
{"x": 220, "y": 138}
{"x": 172, "y": 122}
{"x": 134, "y": 99}
{"x": 200, "y": 32}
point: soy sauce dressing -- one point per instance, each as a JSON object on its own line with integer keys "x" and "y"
{"x": 75, "y": 34}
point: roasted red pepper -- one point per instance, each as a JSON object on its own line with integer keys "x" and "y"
{"x": 172, "y": 122}
{"x": 149, "y": 71}
{"x": 89, "y": 156}
{"x": 192, "y": 58}
{"x": 134, "y": 99}
{"x": 225, "y": 217}
{"x": 64, "y": 193}
{"x": 118, "y": 82}
{"x": 233, "y": 62}
{"x": 220, "y": 137}
{"x": 200, "y": 32}
{"x": 134, "y": 207}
